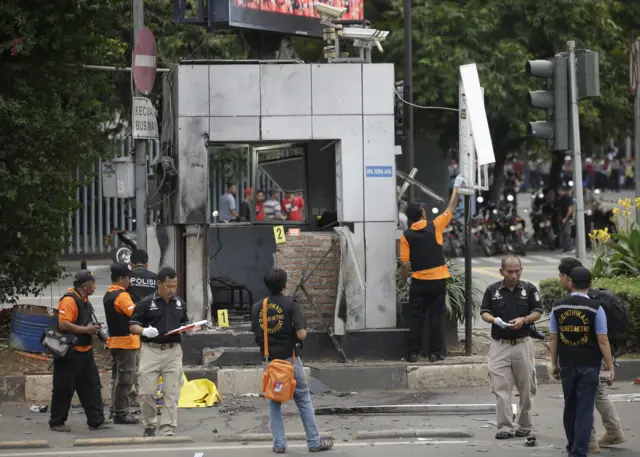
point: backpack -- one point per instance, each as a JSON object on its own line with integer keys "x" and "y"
{"x": 617, "y": 315}
{"x": 278, "y": 380}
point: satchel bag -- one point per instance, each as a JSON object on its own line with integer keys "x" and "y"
{"x": 56, "y": 342}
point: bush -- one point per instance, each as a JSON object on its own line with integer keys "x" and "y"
{"x": 627, "y": 289}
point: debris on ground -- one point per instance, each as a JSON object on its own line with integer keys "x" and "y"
{"x": 39, "y": 408}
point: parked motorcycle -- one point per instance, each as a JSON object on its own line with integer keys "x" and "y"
{"x": 454, "y": 239}
{"x": 127, "y": 244}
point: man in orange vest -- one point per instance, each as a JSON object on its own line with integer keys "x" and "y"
{"x": 421, "y": 248}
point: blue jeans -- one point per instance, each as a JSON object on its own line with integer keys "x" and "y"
{"x": 302, "y": 397}
{"x": 579, "y": 385}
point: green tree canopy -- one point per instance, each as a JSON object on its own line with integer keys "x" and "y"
{"x": 52, "y": 113}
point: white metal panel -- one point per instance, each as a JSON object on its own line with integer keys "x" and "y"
{"x": 349, "y": 164}
{"x": 193, "y": 168}
{"x": 336, "y": 89}
{"x": 234, "y": 90}
{"x": 379, "y": 169}
{"x": 285, "y": 90}
{"x": 193, "y": 88}
{"x": 377, "y": 88}
{"x": 474, "y": 99}
{"x": 234, "y": 128}
{"x": 380, "y": 275}
{"x": 352, "y": 279}
{"x": 286, "y": 128}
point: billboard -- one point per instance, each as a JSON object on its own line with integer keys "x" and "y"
{"x": 291, "y": 17}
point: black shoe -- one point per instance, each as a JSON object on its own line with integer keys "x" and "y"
{"x": 412, "y": 358}
{"x": 522, "y": 433}
{"x": 279, "y": 450}
{"x": 149, "y": 432}
{"x": 435, "y": 358}
{"x": 105, "y": 424}
{"x": 60, "y": 428}
{"x": 504, "y": 435}
{"x": 126, "y": 420}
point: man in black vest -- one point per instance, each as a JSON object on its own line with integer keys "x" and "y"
{"x": 421, "y": 248}
{"x": 286, "y": 327}
{"x": 143, "y": 281}
{"x": 578, "y": 342}
{"x": 143, "y": 284}
{"x": 607, "y": 409}
{"x": 124, "y": 347}
{"x": 77, "y": 370}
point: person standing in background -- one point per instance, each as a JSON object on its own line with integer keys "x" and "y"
{"x": 245, "y": 206}
{"x": 228, "y": 211}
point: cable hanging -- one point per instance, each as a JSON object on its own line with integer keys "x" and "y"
{"x": 444, "y": 108}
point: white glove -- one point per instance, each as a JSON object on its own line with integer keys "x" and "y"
{"x": 500, "y": 323}
{"x": 458, "y": 182}
{"x": 150, "y": 332}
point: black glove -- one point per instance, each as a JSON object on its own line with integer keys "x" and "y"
{"x": 534, "y": 333}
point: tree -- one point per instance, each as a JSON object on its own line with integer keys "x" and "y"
{"x": 53, "y": 113}
{"x": 500, "y": 36}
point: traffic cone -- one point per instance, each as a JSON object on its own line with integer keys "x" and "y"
{"x": 637, "y": 382}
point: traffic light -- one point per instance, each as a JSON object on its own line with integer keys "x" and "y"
{"x": 555, "y": 100}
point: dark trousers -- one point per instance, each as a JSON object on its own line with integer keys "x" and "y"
{"x": 124, "y": 364}
{"x": 579, "y": 385}
{"x": 76, "y": 372}
{"x": 426, "y": 313}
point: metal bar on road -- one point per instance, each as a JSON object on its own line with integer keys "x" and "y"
{"x": 408, "y": 409}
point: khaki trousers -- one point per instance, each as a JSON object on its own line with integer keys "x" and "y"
{"x": 155, "y": 362}
{"x": 511, "y": 365}
{"x": 607, "y": 411}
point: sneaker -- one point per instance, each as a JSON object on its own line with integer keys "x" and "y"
{"x": 435, "y": 358}
{"x": 413, "y": 358}
{"x": 324, "y": 445}
{"x": 504, "y": 435}
{"x": 149, "y": 432}
{"x": 105, "y": 424}
{"x": 126, "y": 420}
{"x": 612, "y": 438}
{"x": 60, "y": 428}
{"x": 593, "y": 447}
{"x": 279, "y": 450}
{"x": 522, "y": 433}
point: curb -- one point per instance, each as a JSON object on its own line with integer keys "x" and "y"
{"x": 253, "y": 437}
{"x": 131, "y": 440}
{"x": 423, "y": 409}
{"x": 34, "y": 444}
{"x": 413, "y": 433}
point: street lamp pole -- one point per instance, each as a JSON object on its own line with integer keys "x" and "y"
{"x": 408, "y": 93}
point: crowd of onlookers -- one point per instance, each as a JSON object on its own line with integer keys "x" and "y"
{"x": 267, "y": 207}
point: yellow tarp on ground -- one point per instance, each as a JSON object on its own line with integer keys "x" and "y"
{"x": 198, "y": 393}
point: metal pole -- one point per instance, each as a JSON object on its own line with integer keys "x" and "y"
{"x": 468, "y": 282}
{"x": 581, "y": 246}
{"x": 636, "y": 133}
{"x": 140, "y": 150}
{"x": 408, "y": 92}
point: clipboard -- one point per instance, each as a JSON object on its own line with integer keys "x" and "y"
{"x": 187, "y": 327}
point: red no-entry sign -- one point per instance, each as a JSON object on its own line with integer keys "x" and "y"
{"x": 144, "y": 61}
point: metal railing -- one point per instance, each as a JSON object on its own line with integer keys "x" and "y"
{"x": 90, "y": 225}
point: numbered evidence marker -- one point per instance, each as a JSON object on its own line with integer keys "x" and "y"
{"x": 223, "y": 318}
{"x": 293, "y": 232}
{"x": 278, "y": 234}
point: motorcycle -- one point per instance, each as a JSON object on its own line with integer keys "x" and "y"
{"x": 510, "y": 234}
{"x": 453, "y": 239}
{"x": 127, "y": 244}
{"x": 481, "y": 231}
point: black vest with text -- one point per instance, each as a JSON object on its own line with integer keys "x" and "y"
{"x": 143, "y": 283}
{"x": 117, "y": 323}
{"x": 84, "y": 318}
{"x": 425, "y": 252}
{"x": 577, "y": 339}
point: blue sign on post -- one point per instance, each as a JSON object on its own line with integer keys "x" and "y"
{"x": 379, "y": 172}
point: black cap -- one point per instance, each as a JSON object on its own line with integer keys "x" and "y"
{"x": 83, "y": 276}
{"x": 120, "y": 269}
{"x": 414, "y": 211}
{"x": 580, "y": 275}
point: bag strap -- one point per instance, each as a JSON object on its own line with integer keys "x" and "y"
{"x": 265, "y": 325}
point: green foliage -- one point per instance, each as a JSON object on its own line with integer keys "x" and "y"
{"x": 627, "y": 289}
{"x": 500, "y": 36}
{"x": 51, "y": 113}
{"x": 455, "y": 294}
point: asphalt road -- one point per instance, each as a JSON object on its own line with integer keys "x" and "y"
{"x": 249, "y": 415}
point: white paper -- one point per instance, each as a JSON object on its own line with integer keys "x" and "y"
{"x": 187, "y": 327}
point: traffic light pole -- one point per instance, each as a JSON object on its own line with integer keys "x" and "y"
{"x": 408, "y": 93}
{"x": 636, "y": 127}
{"x": 581, "y": 247}
{"x": 140, "y": 149}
